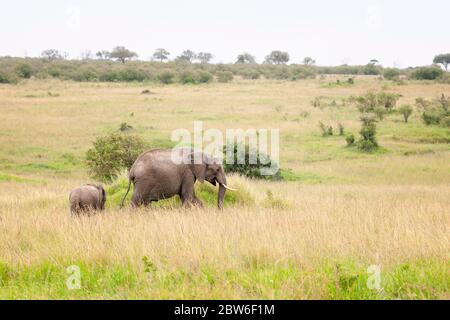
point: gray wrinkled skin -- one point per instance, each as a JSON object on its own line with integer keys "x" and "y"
{"x": 87, "y": 198}
{"x": 155, "y": 176}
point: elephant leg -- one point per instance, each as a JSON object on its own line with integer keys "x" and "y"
{"x": 140, "y": 195}
{"x": 197, "y": 202}
{"x": 187, "y": 195}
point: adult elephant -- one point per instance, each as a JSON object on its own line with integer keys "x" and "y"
{"x": 161, "y": 174}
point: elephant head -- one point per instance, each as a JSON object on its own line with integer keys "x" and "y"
{"x": 210, "y": 169}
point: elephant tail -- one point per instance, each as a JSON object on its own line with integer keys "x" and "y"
{"x": 129, "y": 185}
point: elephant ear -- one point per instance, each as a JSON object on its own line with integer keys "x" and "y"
{"x": 198, "y": 169}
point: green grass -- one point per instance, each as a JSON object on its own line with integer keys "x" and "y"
{"x": 257, "y": 278}
{"x": 13, "y": 178}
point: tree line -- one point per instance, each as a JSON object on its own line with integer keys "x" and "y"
{"x": 121, "y": 64}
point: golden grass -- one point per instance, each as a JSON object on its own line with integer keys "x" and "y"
{"x": 386, "y": 209}
{"x": 375, "y": 224}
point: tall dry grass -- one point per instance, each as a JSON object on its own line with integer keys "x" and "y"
{"x": 377, "y": 224}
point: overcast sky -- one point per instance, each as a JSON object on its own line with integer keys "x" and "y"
{"x": 398, "y": 33}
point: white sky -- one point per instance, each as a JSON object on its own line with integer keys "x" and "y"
{"x": 398, "y": 33}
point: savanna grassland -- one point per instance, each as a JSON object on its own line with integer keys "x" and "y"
{"x": 318, "y": 234}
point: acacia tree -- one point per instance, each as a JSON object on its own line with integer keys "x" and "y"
{"x": 308, "y": 61}
{"x": 246, "y": 58}
{"x": 122, "y": 54}
{"x": 53, "y": 54}
{"x": 443, "y": 59}
{"x": 161, "y": 54}
{"x": 103, "y": 54}
{"x": 204, "y": 57}
{"x": 187, "y": 56}
{"x": 277, "y": 57}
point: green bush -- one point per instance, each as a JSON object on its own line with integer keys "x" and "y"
{"x": 250, "y": 74}
{"x": 6, "y": 77}
{"x": 247, "y": 169}
{"x": 85, "y": 74}
{"x": 435, "y": 111}
{"x": 391, "y": 74}
{"x": 341, "y": 129}
{"x": 368, "y": 141}
{"x": 132, "y": 74}
{"x": 204, "y": 76}
{"x": 166, "y": 76}
{"x": 350, "y": 139}
{"x": 186, "y": 77}
{"x": 112, "y": 153}
{"x": 427, "y": 73}
{"x": 54, "y": 72}
{"x": 406, "y": 111}
{"x": 445, "y": 122}
{"x": 24, "y": 70}
{"x": 388, "y": 100}
{"x": 431, "y": 117}
{"x": 224, "y": 76}
{"x": 326, "y": 130}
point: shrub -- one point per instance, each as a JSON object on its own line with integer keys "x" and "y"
{"x": 110, "y": 76}
{"x": 341, "y": 129}
{"x": 224, "y": 76}
{"x": 380, "y": 112}
{"x": 247, "y": 169}
{"x": 24, "y": 70}
{"x": 436, "y": 111}
{"x": 427, "y": 73}
{"x": 422, "y": 103}
{"x": 445, "y": 122}
{"x": 431, "y": 117}
{"x": 132, "y": 74}
{"x": 368, "y": 141}
{"x": 350, "y": 139}
{"x": 406, "y": 111}
{"x": 186, "y": 77}
{"x": 250, "y": 74}
{"x": 391, "y": 74}
{"x": 316, "y": 102}
{"x": 112, "y": 153}
{"x": 388, "y": 100}
{"x": 6, "y": 77}
{"x": 326, "y": 130}
{"x": 54, "y": 72}
{"x": 166, "y": 76}
{"x": 86, "y": 74}
{"x": 204, "y": 76}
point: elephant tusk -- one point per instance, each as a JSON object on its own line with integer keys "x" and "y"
{"x": 227, "y": 187}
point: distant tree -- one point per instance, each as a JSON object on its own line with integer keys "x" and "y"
{"x": 204, "y": 57}
{"x": 103, "y": 54}
{"x": 245, "y": 58}
{"x": 161, "y": 54}
{"x": 308, "y": 61}
{"x": 406, "y": 111}
{"x": 277, "y": 57}
{"x": 53, "y": 54}
{"x": 187, "y": 56}
{"x": 122, "y": 54}
{"x": 443, "y": 59}
{"x": 86, "y": 55}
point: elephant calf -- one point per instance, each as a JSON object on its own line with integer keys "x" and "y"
{"x": 87, "y": 197}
